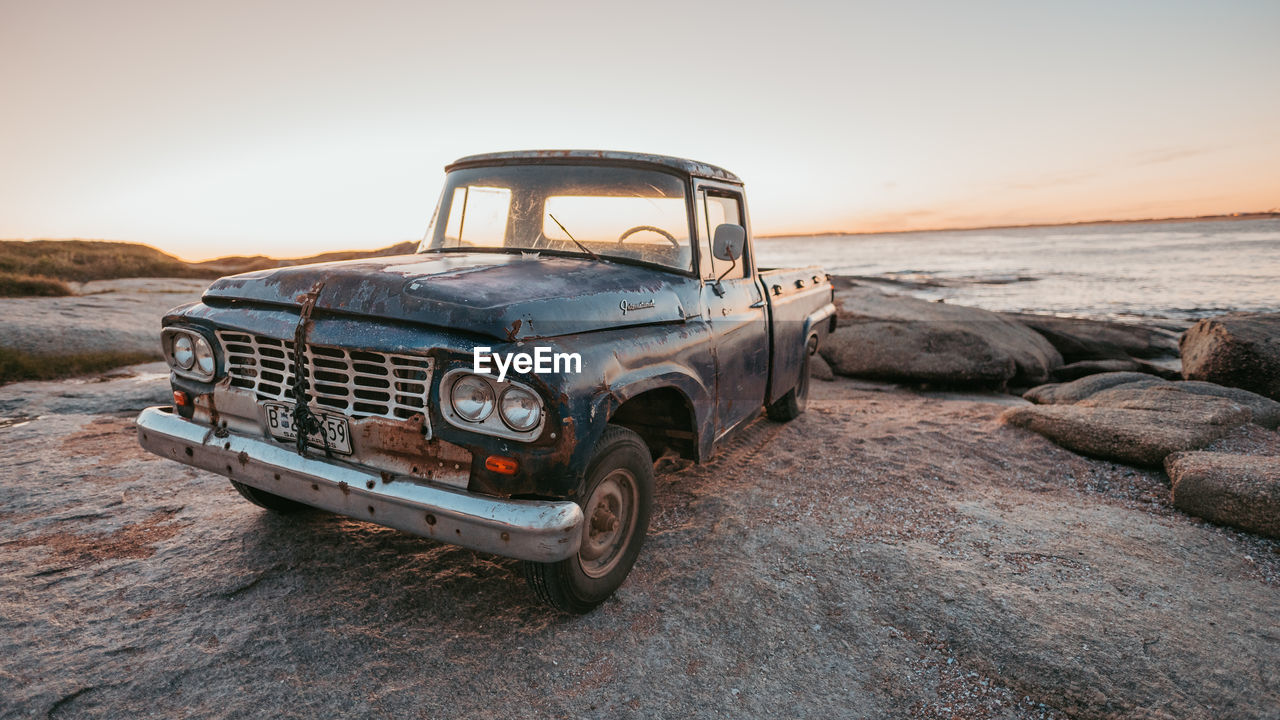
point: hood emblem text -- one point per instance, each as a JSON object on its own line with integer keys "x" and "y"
{"x": 630, "y": 306}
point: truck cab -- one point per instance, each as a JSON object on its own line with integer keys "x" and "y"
{"x": 568, "y": 317}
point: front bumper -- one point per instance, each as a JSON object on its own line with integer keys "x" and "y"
{"x": 539, "y": 530}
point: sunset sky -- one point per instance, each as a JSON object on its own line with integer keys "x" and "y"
{"x": 288, "y": 128}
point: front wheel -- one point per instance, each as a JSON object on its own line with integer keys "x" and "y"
{"x": 615, "y": 505}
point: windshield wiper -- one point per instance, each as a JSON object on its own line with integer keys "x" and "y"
{"x": 575, "y": 240}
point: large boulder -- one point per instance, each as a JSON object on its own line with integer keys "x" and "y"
{"x": 1242, "y": 491}
{"x": 1078, "y": 339}
{"x": 1141, "y": 427}
{"x": 917, "y": 352}
{"x": 1241, "y": 350}
{"x": 892, "y": 337}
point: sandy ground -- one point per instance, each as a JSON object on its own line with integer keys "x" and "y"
{"x": 107, "y": 315}
{"x": 888, "y": 554}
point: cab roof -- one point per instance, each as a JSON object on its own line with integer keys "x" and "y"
{"x": 604, "y": 157}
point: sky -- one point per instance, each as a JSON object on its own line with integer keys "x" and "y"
{"x": 289, "y": 128}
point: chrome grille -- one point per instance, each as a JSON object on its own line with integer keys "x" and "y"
{"x": 358, "y": 383}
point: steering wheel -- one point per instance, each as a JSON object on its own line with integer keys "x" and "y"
{"x": 640, "y": 228}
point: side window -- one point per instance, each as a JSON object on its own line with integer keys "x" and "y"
{"x": 716, "y": 207}
{"x": 478, "y": 217}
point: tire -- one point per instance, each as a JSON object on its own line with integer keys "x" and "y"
{"x": 616, "y": 501}
{"x": 269, "y": 501}
{"x": 793, "y": 404}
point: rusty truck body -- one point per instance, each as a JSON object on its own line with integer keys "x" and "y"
{"x": 622, "y": 290}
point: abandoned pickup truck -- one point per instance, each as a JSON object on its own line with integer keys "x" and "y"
{"x": 569, "y": 317}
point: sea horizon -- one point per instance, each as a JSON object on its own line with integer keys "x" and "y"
{"x": 1173, "y": 270}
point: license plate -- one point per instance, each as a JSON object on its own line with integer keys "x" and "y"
{"x": 333, "y": 428}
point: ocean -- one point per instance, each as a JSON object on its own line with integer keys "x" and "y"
{"x": 1179, "y": 271}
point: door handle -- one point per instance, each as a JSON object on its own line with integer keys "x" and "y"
{"x": 758, "y": 304}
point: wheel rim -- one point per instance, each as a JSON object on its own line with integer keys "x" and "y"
{"x": 610, "y": 519}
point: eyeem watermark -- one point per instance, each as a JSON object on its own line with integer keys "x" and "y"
{"x": 542, "y": 360}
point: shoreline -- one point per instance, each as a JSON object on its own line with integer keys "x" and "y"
{"x": 1264, "y": 215}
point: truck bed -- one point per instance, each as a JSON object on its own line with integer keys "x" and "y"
{"x": 801, "y": 303}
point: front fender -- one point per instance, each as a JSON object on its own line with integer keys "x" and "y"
{"x": 654, "y": 377}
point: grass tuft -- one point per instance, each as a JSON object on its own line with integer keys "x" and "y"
{"x": 18, "y": 285}
{"x": 16, "y": 365}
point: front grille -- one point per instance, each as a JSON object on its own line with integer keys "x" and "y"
{"x": 358, "y": 383}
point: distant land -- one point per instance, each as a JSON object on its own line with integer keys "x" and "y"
{"x": 44, "y": 267}
{"x": 1264, "y": 215}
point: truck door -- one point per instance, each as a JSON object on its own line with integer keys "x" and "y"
{"x": 736, "y": 310}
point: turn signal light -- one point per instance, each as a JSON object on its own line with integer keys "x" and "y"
{"x": 180, "y": 398}
{"x": 503, "y": 465}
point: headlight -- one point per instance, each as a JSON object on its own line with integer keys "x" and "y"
{"x": 183, "y": 354}
{"x": 483, "y": 404}
{"x": 205, "y": 364}
{"x": 520, "y": 409}
{"x": 472, "y": 398}
{"x": 190, "y": 354}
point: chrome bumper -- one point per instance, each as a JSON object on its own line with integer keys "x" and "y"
{"x": 538, "y": 530}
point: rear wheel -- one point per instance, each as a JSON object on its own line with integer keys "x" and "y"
{"x": 269, "y": 501}
{"x": 793, "y": 404}
{"x": 616, "y": 505}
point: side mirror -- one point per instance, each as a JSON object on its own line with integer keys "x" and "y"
{"x": 728, "y": 241}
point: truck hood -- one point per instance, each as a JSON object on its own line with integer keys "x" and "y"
{"x": 506, "y": 296}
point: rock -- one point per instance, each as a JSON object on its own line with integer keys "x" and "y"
{"x": 1073, "y": 392}
{"x": 1242, "y": 491}
{"x": 1240, "y": 350}
{"x": 112, "y": 315}
{"x": 125, "y": 390}
{"x": 1084, "y": 368}
{"x": 1079, "y": 339}
{"x": 1161, "y": 397}
{"x": 917, "y": 352}
{"x": 819, "y": 368}
{"x": 1266, "y": 412}
{"x": 1118, "y": 389}
{"x": 891, "y": 337}
{"x": 1140, "y": 428}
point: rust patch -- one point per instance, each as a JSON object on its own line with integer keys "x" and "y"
{"x": 513, "y": 332}
{"x": 135, "y": 541}
{"x": 242, "y": 458}
{"x": 604, "y": 389}
{"x": 565, "y": 445}
{"x": 387, "y": 477}
{"x": 344, "y": 487}
{"x": 398, "y": 437}
{"x": 214, "y": 418}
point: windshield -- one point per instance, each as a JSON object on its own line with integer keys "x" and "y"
{"x": 610, "y": 212}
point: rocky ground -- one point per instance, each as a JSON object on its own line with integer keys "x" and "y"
{"x": 122, "y": 315}
{"x": 889, "y": 554}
